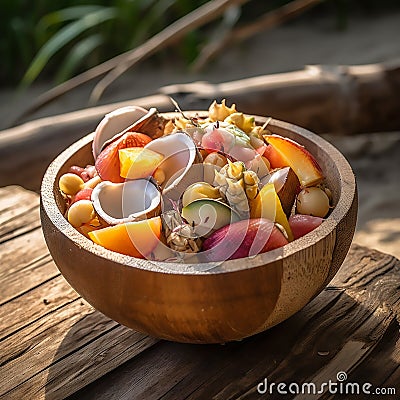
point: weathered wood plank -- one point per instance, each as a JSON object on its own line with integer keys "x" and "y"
{"x": 352, "y": 324}
{"x": 52, "y": 342}
{"x": 383, "y": 363}
{"x": 16, "y": 201}
{"x": 9, "y": 196}
{"x": 56, "y": 356}
{"x": 26, "y": 263}
{"x": 14, "y": 254}
{"x": 19, "y": 213}
{"x": 52, "y": 350}
{"x": 100, "y": 357}
{"x": 11, "y": 228}
{"x": 180, "y": 370}
{"x": 17, "y": 350}
{"x": 35, "y": 304}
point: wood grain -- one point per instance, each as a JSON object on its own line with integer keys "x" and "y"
{"x": 352, "y": 326}
{"x": 51, "y": 341}
{"x": 12, "y": 214}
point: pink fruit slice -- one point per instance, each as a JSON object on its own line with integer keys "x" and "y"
{"x": 298, "y": 158}
{"x": 303, "y": 224}
{"x": 228, "y": 142}
{"x": 84, "y": 194}
{"x": 218, "y": 140}
{"x": 242, "y": 239}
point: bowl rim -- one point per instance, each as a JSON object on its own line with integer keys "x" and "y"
{"x": 344, "y": 203}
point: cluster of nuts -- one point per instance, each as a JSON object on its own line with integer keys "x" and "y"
{"x": 80, "y": 211}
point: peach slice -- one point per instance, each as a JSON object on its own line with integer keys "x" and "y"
{"x": 274, "y": 158}
{"x": 136, "y": 239}
{"x": 138, "y": 162}
{"x": 298, "y": 158}
{"x": 267, "y": 205}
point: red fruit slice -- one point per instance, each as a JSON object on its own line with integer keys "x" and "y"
{"x": 76, "y": 170}
{"x": 303, "y": 224}
{"x": 85, "y": 173}
{"x": 242, "y": 239}
{"x": 107, "y": 163}
{"x": 276, "y": 240}
{"x": 218, "y": 140}
{"x": 274, "y": 158}
{"x": 84, "y": 194}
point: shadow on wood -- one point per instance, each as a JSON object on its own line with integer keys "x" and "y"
{"x": 52, "y": 343}
{"x": 351, "y": 326}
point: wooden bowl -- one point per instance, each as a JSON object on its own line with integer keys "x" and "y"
{"x": 186, "y": 302}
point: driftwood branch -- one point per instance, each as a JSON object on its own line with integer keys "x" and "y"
{"x": 119, "y": 64}
{"x": 267, "y": 21}
{"x": 344, "y": 100}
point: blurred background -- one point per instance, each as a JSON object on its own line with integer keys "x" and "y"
{"x": 219, "y": 45}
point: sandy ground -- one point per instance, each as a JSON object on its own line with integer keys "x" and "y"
{"x": 375, "y": 158}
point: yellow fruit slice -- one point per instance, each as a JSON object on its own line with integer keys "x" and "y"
{"x": 138, "y": 162}
{"x": 267, "y": 205}
{"x": 136, "y": 239}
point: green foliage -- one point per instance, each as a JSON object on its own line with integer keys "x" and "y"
{"x": 83, "y": 22}
{"x": 60, "y": 40}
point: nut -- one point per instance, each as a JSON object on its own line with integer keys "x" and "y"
{"x": 80, "y": 213}
{"x": 70, "y": 183}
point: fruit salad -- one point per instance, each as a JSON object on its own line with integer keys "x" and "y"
{"x": 194, "y": 188}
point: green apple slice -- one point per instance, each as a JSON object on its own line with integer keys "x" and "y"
{"x": 208, "y": 215}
